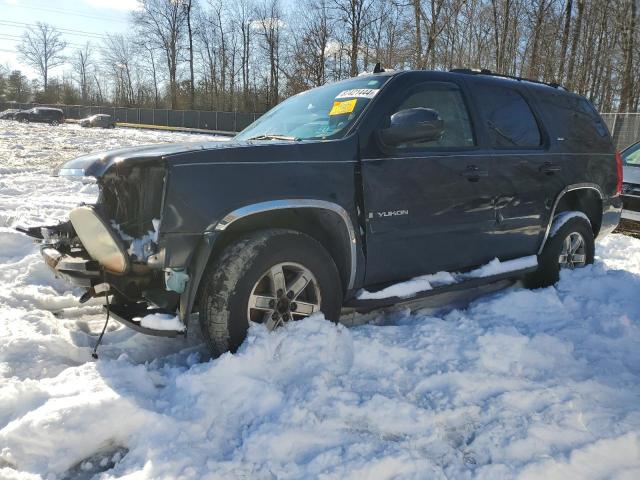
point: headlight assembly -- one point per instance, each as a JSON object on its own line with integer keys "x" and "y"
{"x": 99, "y": 239}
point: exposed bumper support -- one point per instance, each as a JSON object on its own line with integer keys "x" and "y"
{"x": 125, "y": 314}
{"x": 78, "y": 271}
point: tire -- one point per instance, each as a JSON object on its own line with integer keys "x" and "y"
{"x": 240, "y": 271}
{"x": 549, "y": 261}
{"x": 54, "y": 123}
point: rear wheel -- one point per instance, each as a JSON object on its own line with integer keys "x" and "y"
{"x": 571, "y": 246}
{"x": 54, "y": 123}
{"x": 271, "y": 277}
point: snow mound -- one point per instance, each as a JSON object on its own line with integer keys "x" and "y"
{"x": 520, "y": 384}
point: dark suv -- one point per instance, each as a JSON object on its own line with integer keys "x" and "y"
{"x": 52, "y": 116}
{"x": 338, "y": 193}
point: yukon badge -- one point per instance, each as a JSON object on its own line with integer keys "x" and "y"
{"x": 390, "y": 213}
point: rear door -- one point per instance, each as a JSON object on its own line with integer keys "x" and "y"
{"x": 428, "y": 206}
{"x": 526, "y": 173}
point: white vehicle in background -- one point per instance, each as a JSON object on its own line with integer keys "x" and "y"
{"x": 100, "y": 120}
{"x": 631, "y": 185}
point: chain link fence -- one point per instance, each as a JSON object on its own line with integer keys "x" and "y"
{"x": 221, "y": 122}
{"x": 624, "y": 127}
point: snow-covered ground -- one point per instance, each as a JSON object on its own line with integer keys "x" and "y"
{"x": 530, "y": 384}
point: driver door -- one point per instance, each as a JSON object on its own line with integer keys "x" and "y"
{"x": 429, "y": 206}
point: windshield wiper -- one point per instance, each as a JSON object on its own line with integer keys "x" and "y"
{"x": 269, "y": 136}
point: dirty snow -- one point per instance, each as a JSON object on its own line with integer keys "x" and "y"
{"x": 521, "y": 384}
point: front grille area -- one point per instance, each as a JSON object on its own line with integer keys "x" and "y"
{"x": 132, "y": 200}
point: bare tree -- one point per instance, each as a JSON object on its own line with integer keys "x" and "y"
{"x": 269, "y": 23}
{"x": 188, "y": 6}
{"x": 81, "y": 61}
{"x": 565, "y": 38}
{"x": 629, "y": 13}
{"x": 163, "y": 21}
{"x": 119, "y": 55}
{"x": 243, "y": 23}
{"x": 353, "y": 14}
{"x": 41, "y": 48}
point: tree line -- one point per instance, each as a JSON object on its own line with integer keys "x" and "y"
{"x": 248, "y": 55}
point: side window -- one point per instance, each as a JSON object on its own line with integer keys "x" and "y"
{"x": 508, "y": 118}
{"x": 632, "y": 155}
{"x": 446, "y": 99}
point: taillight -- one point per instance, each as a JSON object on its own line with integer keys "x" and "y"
{"x": 619, "y": 172}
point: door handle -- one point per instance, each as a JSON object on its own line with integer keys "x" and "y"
{"x": 473, "y": 173}
{"x": 550, "y": 168}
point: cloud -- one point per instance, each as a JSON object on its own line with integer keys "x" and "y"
{"x": 122, "y": 5}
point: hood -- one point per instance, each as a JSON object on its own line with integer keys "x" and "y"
{"x": 97, "y": 164}
{"x": 172, "y": 154}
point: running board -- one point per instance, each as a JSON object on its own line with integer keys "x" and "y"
{"x": 126, "y": 313}
{"x": 364, "y": 306}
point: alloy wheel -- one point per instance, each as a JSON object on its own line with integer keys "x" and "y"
{"x": 573, "y": 253}
{"x": 287, "y": 291}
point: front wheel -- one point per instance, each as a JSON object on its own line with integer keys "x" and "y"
{"x": 54, "y": 123}
{"x": 571, "y": 246}
{"x": 271, "y": 277}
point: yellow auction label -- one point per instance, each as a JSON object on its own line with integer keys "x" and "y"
{"x": 340, "y": 108}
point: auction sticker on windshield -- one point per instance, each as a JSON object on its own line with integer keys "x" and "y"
{"x": 340, "y": 108}
{"x": 358, "y": 92}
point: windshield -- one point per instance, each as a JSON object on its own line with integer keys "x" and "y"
{"x": 324, "y": 112}
{"x": 631, "y": 156}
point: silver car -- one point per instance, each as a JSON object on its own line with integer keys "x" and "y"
{"x": 631, "y": 185}
{"x": 100, "y": 120}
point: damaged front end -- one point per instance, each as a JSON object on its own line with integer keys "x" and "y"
{"x": 112, "y": 247}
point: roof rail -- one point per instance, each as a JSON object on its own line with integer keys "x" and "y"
{"x": 484, "y": 71}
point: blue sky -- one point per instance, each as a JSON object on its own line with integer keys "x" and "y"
{"x": 83, "y": 20}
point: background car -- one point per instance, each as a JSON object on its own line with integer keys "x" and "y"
{"x": 9, "y": 114}
{"x": 100, "y": 120}
{"x": 631, "y": 189}
{"x": 52, "y": 116}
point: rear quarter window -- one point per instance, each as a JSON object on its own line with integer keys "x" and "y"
{"x": 575, "y": 121}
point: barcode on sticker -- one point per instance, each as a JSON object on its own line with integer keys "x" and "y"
{"x": 358, "y": 92}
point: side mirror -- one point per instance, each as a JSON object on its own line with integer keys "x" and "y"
{"x": 413, "y": 125}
